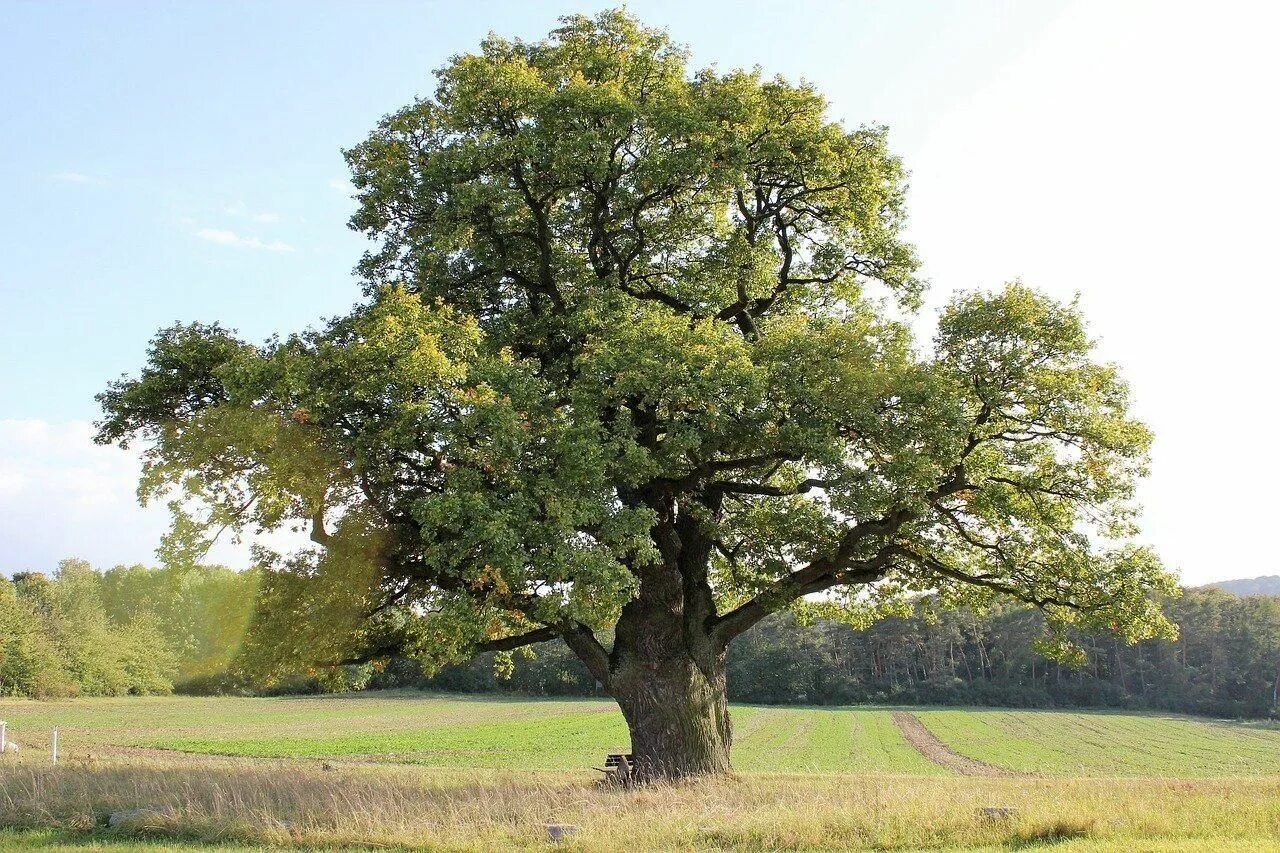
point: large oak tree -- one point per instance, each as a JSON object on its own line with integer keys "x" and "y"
{"x": 635, "y": 355}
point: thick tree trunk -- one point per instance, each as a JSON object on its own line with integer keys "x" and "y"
{"x": 678, "y": 716}
{"x": 667, "y": 673}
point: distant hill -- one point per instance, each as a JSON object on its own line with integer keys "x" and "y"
{"x": 1265, "y": 585}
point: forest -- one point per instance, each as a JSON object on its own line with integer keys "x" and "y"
{"x": 141, "y": 630}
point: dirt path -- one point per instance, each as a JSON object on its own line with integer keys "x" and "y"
{"x": 928, "y": 745}
{"x": 148, "y": 753}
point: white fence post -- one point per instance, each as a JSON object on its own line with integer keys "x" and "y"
{"x": 3, "y": 735}
{"x": 55, "y": 746}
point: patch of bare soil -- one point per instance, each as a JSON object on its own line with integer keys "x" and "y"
{"x": 928, "y": 745}
{"x": 145, "y": 755}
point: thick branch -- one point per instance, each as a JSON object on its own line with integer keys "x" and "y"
{"x": 383, "y": 647}
{"x": 319, "y": 535}
{"x": 768, "y": 490}
{"x": 580, "y": 639}
{"x": 837, "y": 568}
{"x": 506, "y": 644}
{"x": 742, "y": 618}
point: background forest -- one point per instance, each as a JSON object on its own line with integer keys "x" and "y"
{"x": 140, "y": 630}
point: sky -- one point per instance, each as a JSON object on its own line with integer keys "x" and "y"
{"x": 182, "y": 161}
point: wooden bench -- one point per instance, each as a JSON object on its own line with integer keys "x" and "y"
{"x": 618, "y": 767}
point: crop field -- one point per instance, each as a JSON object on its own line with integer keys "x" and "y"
{"x": 407, "y": 770}
{"x": 547, "y": 734}
{"x": 480, "y": 732}
{"x": 1063, "y": 743}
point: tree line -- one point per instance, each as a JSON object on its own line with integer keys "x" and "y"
{"x": 141, "y": 630}
{"x": 1225, "y": 662}
{"x": 129, "y": 630}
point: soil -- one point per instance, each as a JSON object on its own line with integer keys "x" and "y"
{"x": 928, "y": 745}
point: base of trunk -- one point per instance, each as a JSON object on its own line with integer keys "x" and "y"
{"x": 679, "y": 721}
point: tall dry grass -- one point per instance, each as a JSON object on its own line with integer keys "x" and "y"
{"x": 301, "y": 804}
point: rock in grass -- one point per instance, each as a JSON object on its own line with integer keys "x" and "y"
{"x": 560, "y": 831}
{"x": 996, "y": 812}
{"x": 136, "y": 818}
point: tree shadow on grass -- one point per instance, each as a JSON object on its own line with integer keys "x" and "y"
{"x": 1050, "y": 835}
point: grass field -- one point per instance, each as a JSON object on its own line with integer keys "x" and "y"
{"x": 505, "y": 733}
{"x": 452, "y": 731}
{"x": 1100, "y": 744}
{"x": 406, "y": 770}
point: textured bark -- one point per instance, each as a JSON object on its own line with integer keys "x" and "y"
{"x": 668, "y": 677}
{"x": 678, "y": 719}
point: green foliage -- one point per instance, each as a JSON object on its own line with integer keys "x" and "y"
{"x": 30, "y": 663}
{"x": 140, "y": 630}
{"x": 202, "y": 612}
{"x": 56, "y": 639}
{"x": 624, "y": 320}
{"x": 1224, "y": 663}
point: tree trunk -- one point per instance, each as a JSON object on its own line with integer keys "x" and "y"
{"x": 667, "y": 673}
{"x": 678, "y": 717}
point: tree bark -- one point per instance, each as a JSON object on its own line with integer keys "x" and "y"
{"x": 667, "y": 673}
{"x": 678, "y": 717}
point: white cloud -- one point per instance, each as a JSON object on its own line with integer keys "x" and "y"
{"x": 62, "y": 496}
{"x": 342, "y": 185}
{"x": 70, "y": 177}
{"x": 231, "y": 238}
{"x": 240, "y": 209}
{"x": 12, "y": 482}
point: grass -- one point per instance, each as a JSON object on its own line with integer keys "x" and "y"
{"x": 63, "y": 840}
{"x": 1108, "y": 744}
{"x": 496, "y": 732}
{"x": 297, "y": 804}
{"x": 823, "y": 740}
{"x": 140, "y": 721}
{"x": 404, "y": 770}
{"x": 451, "y": 731}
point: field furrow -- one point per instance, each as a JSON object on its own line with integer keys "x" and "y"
{"x": 1107, "y": 744}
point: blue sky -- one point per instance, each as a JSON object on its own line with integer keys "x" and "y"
{"x": 181, "y": 161}
{"x": 136, "y": 135}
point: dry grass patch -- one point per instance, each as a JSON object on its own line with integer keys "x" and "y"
{"x": 297, "y": 804}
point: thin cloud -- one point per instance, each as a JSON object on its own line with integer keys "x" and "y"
{"x": 242, "y": 210}
{"x": 230, "y": 238}
{"x": 70, "y": 177}
{"x": 342, "y": 185}
{"x": 61, "y": 495}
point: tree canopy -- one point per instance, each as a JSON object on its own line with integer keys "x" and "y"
{"x": 635, "y": 351}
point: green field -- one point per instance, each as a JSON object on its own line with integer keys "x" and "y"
{"x": 461, "y": 732}
{"x": 1061, "y": 743}
{"x": 525, "y": 734}
{"x": 407, "y": 770}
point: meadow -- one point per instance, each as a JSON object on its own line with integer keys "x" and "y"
{"x": 408, "y": 770}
